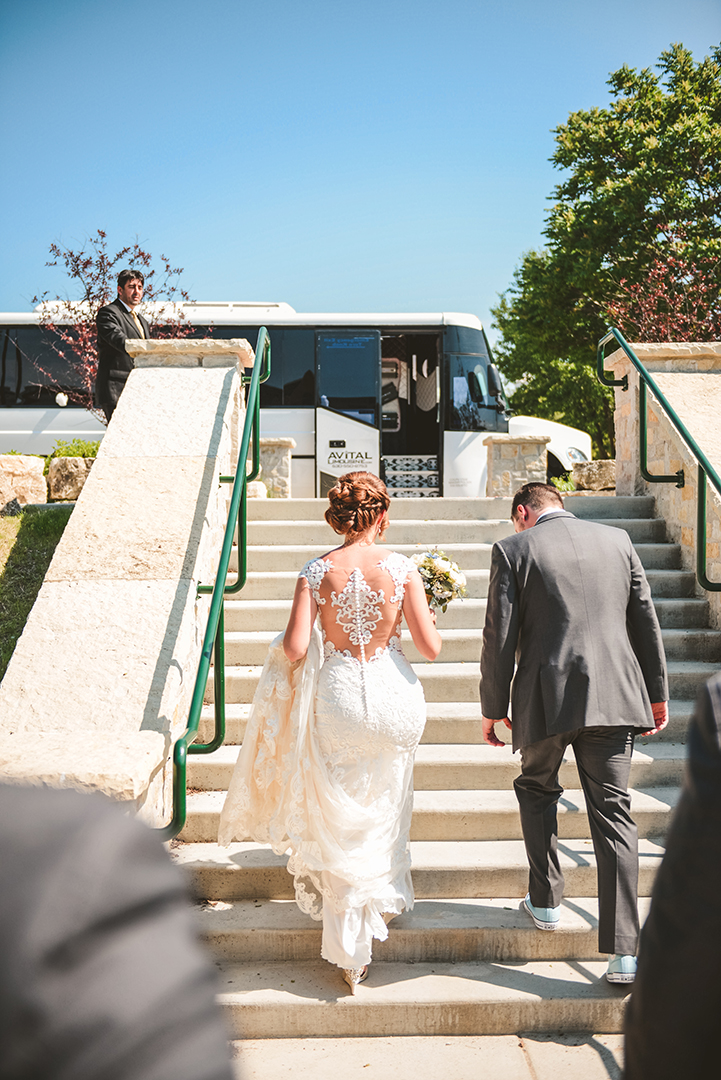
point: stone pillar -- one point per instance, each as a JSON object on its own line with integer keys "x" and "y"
{"x": 515, "y": 460}
{"x": 99, "y": 686}
{"x": 275, "y": 455}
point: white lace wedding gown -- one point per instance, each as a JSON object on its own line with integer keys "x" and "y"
{"x": 326, "y": 767}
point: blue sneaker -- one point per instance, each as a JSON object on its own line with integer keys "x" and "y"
{"x": 545, "y": 918}
{"x": 621, "y": 969}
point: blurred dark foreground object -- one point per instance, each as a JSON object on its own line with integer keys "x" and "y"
{"x": 673, "y": 1016}
{"x": 101, "y": 971}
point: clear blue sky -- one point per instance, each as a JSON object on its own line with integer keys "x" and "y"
{"x": 387, "y": 155}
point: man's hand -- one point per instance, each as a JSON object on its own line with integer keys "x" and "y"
{"x": 489, "y": 733}
{"x": 660, "y": 715}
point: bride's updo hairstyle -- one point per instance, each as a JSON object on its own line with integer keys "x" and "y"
{"x": 356, "y": 502}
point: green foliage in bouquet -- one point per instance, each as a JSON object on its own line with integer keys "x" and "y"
{"x": 442, "y": 578}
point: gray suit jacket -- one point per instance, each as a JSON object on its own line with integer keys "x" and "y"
{"x": 569, "y": 601}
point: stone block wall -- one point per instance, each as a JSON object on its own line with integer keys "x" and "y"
{"x": 515, "y": 460}
{"x": 689, "y": 375}
{"x": 99, "y": 686}
{"x": 275, "y": 457}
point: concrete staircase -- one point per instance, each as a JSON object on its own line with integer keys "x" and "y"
{"x": 466, "y": 960}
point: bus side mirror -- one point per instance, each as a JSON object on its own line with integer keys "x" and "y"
{"x": 474, "y": 388}
{"x": 495, "y": 388}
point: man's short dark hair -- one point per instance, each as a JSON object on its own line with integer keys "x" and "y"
{"x": 536, "y": 497}
{"x": 129, "y": 275}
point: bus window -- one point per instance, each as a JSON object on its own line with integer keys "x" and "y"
{"x": 32, "y": 370}
{"x": 465, "y": 339}
{"x": 348, "y": 367}
{"x": 297, "y": 348}
{"x": 470, "y": 406}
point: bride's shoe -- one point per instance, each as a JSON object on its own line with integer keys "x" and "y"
{"x": 353, "y": 976}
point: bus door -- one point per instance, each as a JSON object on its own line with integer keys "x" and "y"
{"x": 347, "y": 416}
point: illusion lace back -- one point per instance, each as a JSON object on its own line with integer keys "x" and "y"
{"x": 326, "y": 768}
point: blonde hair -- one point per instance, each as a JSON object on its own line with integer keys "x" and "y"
{"x": 356, "y": 502}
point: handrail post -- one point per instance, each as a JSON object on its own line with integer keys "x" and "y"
{"x": 601, "y": 372}
{"x": 676, "y": 478}
{"x": 712, "y": 586}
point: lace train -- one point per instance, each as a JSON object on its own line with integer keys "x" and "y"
{"x": 325, "y": 773}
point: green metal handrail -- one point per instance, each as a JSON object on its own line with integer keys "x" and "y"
{"x": 706, "y": 471}
{"x": 214, "y": 640}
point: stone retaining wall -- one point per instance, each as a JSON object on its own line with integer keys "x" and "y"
{"x": 99, "y": 686}
{"x": 275, "y": 456}
{"x": 515, "y": 460}
{"x": 689, "y": 375}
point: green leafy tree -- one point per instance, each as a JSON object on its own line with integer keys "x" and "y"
{"x": 642, "y": 188}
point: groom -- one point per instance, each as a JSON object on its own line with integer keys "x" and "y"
{"x": 569, "y": 602}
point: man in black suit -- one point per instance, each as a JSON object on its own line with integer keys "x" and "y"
{"x": 102, "y": 974}
{"x": 116, "y": 323}
{"x": 673, "y": 1015}
{"x": 569, "y": 600}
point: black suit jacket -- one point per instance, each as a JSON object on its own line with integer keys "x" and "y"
{"x": 569, "y": 600}
{"x": 673, "y": 1016}
{"x": 101, "y": 971}
{"x": 114, "y": 325}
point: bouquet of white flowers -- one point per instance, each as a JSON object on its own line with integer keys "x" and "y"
{"x": 443, "y": 579}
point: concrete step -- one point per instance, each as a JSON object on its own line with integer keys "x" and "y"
{"x": 423, "y": 532}
{"x": 280, "y": 585}
{"x": 447, "y": 722}
{"x": 464, "y": 646}
{"x": 690, "y": 644}
{"x": 659, "y": 556}
{"x": 469, "y": 767}
{"x": 681, "y": 613}
{"x": 401, "y": 509}
{"x": 319, "y": 538}
{"x": 671, "y": 583}
{"x": 641, "y": 530}
{"x": 478, "y": 868}
{"x": 458, "y": 815}
{"x": 439, "y": 931}
{"x": 605, "y": 507}
{"x": 459, "y": 681}
{"x": 524, "y": 1056}
{"x": 282, "y": 1000}
{"x": 469, "y": 613}
{"x": 289, "y": 556}
{"x": 257, "y": 615}
{"x": 451, "y": 722}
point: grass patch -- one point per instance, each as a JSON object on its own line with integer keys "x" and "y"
{"x": 27, "y": 544}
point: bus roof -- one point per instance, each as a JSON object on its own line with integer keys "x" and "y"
{"x": 204, "y": 313}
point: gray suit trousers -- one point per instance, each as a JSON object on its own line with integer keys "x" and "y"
{"x": 603, "y": 757}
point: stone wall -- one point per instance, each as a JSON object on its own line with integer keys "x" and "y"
{"x": 99, "y": 686}
{"x": 515, "y": 460}
{"x": 275, "y": 455}
{"x": 689, "y": 375}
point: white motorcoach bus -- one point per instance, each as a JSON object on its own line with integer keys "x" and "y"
{"x": 408, "y": 396}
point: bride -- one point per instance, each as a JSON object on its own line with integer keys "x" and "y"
{"x": 326, "y": 767}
